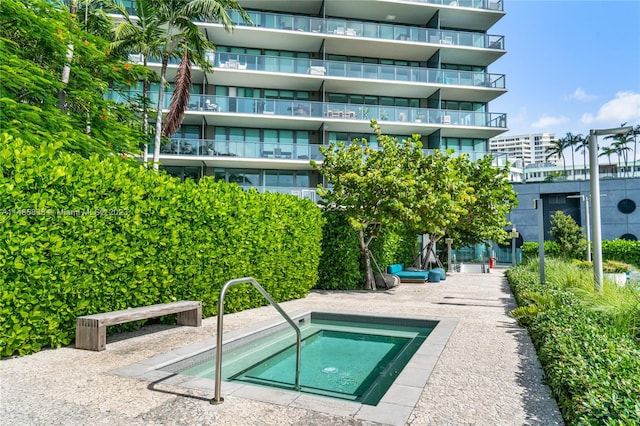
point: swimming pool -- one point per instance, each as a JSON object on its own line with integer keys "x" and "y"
{"x": 349, "y": 357}
{"x": 165, "y": 372}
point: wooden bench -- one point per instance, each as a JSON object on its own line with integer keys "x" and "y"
{"x": 91, "y": 330}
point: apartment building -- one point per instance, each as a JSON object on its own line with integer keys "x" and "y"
{"x": 311, "y": 72}
{"x": 523, "y": 150}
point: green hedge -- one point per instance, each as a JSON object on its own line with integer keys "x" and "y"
{"x": 620, "y": 250}
{"x": 81, "y": 236}
{"x": 591, "y": 366}
{"x": 341, "y": 265}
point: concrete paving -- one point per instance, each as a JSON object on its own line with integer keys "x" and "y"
{"x": 486, "y": 374}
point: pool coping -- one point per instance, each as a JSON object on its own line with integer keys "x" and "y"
{"x": 395, "y": 407}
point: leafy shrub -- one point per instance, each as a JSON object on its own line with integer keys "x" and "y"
{"x": 341, "y": 266}
{"x": 615, "y": 267}
{"x": 622, "y": 250}
{"x": 568, "y": 235}
{"x": 82, "y": 236}
{"x": 588, "y": 342}
{"x": 551, "y": 249}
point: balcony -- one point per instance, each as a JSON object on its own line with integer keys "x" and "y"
{"x": 355, "y": 28}
{"x": 231, "y": 151}
{"x": 476, "y": 4}
{"x": 316, "y": 113}
{"x": 356, "y": 70}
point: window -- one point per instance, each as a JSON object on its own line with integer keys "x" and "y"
{"x": 626, "y": 206}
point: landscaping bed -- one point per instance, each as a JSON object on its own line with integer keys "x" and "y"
{"x": 588, "y": 342}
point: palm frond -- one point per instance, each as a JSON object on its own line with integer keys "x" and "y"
{"x": 180, "y": 97}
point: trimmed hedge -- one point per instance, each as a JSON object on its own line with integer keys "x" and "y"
{"x": 591, "y": 366}
{"x": 620, "y": 250}
{"x": 82, "y": 236}
{"x": 341, "y": 266}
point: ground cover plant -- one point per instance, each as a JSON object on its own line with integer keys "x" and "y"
{"x": 588, "y": 342}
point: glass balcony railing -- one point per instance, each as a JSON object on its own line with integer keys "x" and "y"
{"x": 476, "y": 4}
{"x": 241, "y": 149}
{"x": 332, "y": 111}
{"x": 356, "y": 70}
{"x": 381, "y": 31}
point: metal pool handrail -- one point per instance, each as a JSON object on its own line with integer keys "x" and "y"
{"x": 217, "y": 398}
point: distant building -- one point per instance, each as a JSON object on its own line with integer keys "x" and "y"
{"x": 523, "y": 150}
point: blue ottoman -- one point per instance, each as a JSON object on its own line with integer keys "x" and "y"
{"x": 434, "y": 276}
{"x": 443, "y": 275}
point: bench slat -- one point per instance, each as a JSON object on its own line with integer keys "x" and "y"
{"x": 143, "y": 312}
{"x": 91, "y": 329}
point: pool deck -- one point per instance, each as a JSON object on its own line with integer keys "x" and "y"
{"x": 487, "y": 373}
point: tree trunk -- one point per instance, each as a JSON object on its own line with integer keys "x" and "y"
{"x": 158, "y": 138}
{"x": 66, "y": 69}
{"x": 364, "y": 246}
{"x": 145, "y": 117}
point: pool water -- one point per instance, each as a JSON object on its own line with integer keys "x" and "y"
{"x": 349, "y": 357}
{"x": 336, "y": 363}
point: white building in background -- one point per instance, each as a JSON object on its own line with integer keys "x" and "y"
{"x": 523, "y": 150}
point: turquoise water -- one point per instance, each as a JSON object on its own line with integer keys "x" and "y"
{"x": 336, "y": 363}
{"x": 344, "y": 359}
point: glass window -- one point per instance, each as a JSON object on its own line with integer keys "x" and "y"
{"x": 285, "y": 178}
{"x": 271, "y": 135}
{"x": 480, "y": 145}
{"x": 302, "y": 180}
{"x": 286, "y": 136}
{"x": 302, "y": 137}
{"x": 466, "y": 144}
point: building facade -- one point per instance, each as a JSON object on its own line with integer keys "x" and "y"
{"x": 619, "y": 206}
{"x": 524, "y": 150}
{"x": 308, "y": 73}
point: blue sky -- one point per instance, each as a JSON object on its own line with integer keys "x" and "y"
{"x": 571, "y": 66}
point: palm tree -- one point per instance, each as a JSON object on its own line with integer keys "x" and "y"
{"x": 141, "y": 34}
{"x": 608, "y": 151}
{"x": 635, "y": 133}
{"x": 557, "y": 149}
{"x": 571, "y": 141}
{"x": 583, "y": 146}
{"x": 620, "y": 147}
{"x": 173, "y": 33}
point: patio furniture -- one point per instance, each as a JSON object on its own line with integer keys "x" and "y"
{"x": 91, "y": 330}
{"x": 406, "y": 276}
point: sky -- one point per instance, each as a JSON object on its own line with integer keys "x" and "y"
{"x": 570, "y": 66}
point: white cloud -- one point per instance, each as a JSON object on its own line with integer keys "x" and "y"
{"x": 547, "y": 121}
{"x": 624, "y": 108}
{"x": 580, "y": 95}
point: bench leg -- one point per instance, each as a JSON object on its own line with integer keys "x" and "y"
{"x": 91, "y": 334}
{"x": 192, "y": 317}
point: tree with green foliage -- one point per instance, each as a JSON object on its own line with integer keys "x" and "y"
{"x": 568, "y": 235}
{"x": 169, "y": 31}
{"x": 374, "y": 187}
{"x": 461, "y": 199}
{"x": 620, "y": 146}
{"x": 441, "y": 195}
{"x": 491, "y": 199}
{"x": 33, "y": 47}
{"x": 557, "y": 149}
